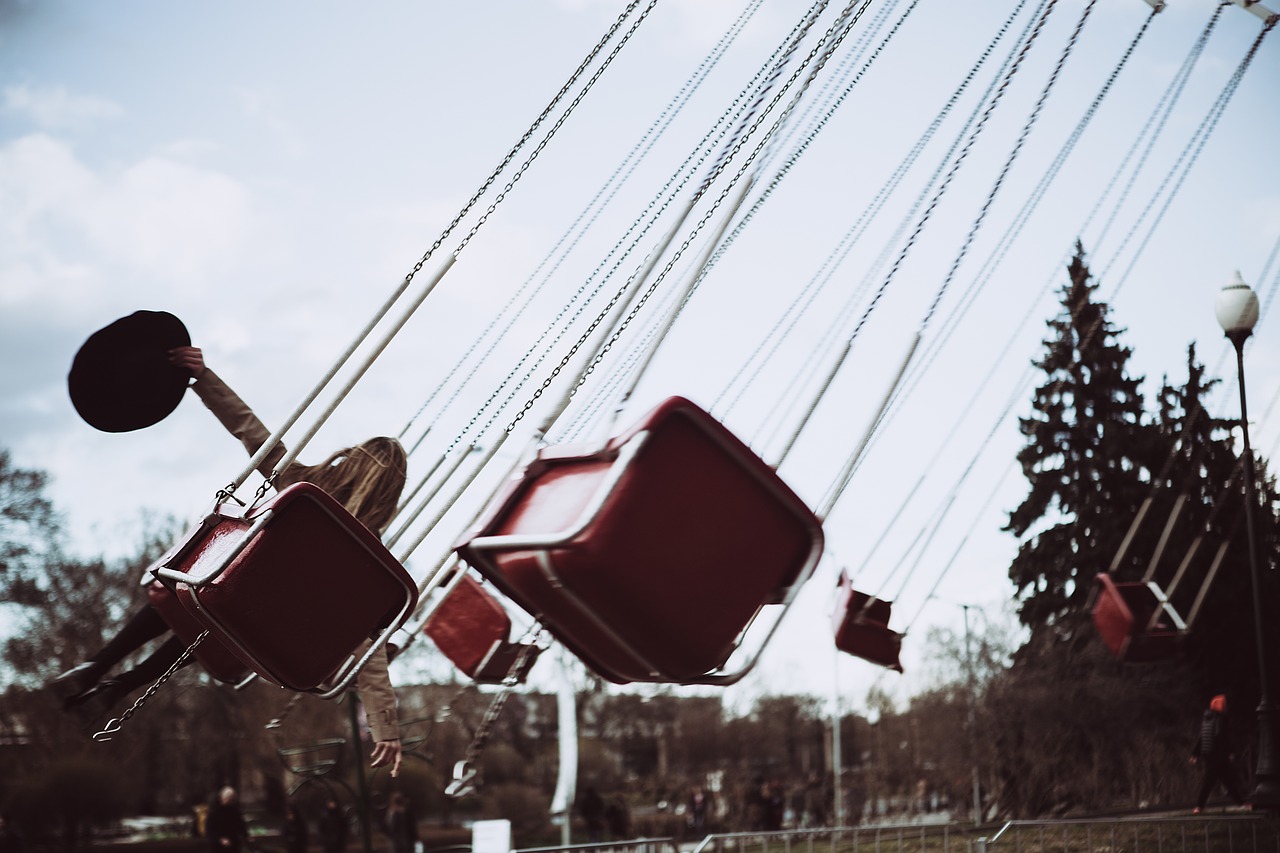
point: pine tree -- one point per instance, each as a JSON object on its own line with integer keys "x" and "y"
{"x": 1085, "y": 458}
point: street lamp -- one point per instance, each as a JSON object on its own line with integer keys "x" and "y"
{"x": 1237, "y": 310}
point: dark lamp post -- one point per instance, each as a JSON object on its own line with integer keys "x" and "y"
{"x": 1237, "y": 310}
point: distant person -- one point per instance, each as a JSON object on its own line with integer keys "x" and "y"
{"x": 333, "y": 828}
{"x": 1214, "y": 754}
{"x": 224, "y": 826}
{"x": 400, "y": 824}
{"x": 618, "y": 818}
{"x": 591, "y": 809}
{"x": 295, "y": 830}
{"x": 697, "y": 809}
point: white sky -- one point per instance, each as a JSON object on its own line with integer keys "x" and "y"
{"x": 270, "y": 173}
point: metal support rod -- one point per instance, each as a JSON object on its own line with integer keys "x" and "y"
{"x": 972, "y": 717}
{"x": 837, "y": 748}
{"x": 1266, "y": 793}
{"x": 362, "y": 789}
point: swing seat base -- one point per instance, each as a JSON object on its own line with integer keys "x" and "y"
{"x": 1122, "y": 614}
{"x": 861, "y": 625}
{"x": 473, "y": 631}
{"x": 220, "y": 662}
{"x": 650, "y": 557}
{"x": 293, "y": 588}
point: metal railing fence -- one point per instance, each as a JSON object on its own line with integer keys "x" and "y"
{"x": 1226, "y": 833}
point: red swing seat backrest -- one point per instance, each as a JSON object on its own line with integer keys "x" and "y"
{"x": 649, "y": 569}
{"x": 1122, "y": 613}
{"x": 473, "y": 630}
{"x": 220, "y": 662}
{"x": 306, "y": 586}
{"x": 861, "y": 624}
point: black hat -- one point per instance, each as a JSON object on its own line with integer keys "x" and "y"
{"x": 121, "y": 378}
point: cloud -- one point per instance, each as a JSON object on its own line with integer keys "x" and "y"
{"x": 54, "y": 108}
{"x": 79, "y": 247}
{"x": 67, "y": 229}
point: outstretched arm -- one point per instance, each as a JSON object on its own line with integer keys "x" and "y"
{"x": 226, "y": 405}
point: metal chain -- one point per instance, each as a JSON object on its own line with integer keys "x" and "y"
{"x": 464, "y": 771}
{"x": 720, "y": 165}
{"x": 114, "y": 725}
{"x": 506, "y": 161}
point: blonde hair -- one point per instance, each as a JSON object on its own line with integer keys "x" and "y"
{"x": 366, "y": 478}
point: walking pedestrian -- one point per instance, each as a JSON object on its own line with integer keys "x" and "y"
{"x": 1214, "y": 754}
{"x": 225, "y": 827}
{"x": 401, "y": 824}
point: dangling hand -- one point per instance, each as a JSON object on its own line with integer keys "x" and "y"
{"x": 188, "y": 358}
{"x": 387, "y": 752}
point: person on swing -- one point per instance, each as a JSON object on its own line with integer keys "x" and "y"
{"x": 367, "y": 479}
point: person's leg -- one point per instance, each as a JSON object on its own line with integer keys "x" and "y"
{"x": 1231, "y": 783}
{"x": 145, "y": 625}
{"x": 1206, "y": 784}
{"x": 104, "y": 695}
{"x": 153, "y": 666}
{"x": 142, "y": 627}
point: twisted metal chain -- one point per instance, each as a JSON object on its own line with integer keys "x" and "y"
{"x": 506, "y": 161}
{"x": 464, "y": 772}
{"x": 115, "y": 724}
{"x": 829, "y": 42}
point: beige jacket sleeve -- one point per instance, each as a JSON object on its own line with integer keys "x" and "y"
{"x": 237, "y": 417}
{"x": 378, "y": 696}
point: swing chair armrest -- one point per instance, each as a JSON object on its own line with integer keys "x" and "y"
{"x": 626, "y": 455}
{"x": 221, "y": 562}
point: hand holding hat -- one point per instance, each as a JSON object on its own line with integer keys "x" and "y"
{"x": 122, "y": 378}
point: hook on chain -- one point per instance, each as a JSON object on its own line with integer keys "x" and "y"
{"x": 109, "y": 730}
{"x": 464, "y": 777}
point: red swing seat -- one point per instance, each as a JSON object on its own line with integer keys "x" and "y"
{"x": 649, "y": 557}
{"x": 1122, "y": 613}
{"x": 861, "y": 624}
{"x": 292, "y": 588}
{"x": 473, "y": 630}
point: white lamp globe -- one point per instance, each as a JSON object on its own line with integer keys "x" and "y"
{"x": 1237, "y": 307}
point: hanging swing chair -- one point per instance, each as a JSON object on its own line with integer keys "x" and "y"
{"x": 649, "y": 557}
{"x": 1135, "y": 620}
{"x": 290, "y": 588}
{"x": 861, "y": 624}
{"x": 474, "y": 632}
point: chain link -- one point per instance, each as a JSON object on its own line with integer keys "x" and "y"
{"x": 114, "y": 725}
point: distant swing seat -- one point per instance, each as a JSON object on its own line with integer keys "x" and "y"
{"x": 473, "y": 630}
{"x": 292, "y": 588}
{"x": 1122, "y": 613}
{"x": 650, "y": 557}
{"x": 861, "y": 625}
